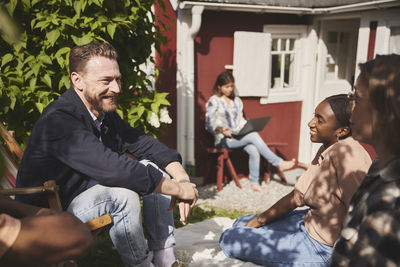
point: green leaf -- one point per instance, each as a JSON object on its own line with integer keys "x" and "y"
{"x": 140, "y": 110}
{"x": 61, "y": 61}
{"x": 111, "y": 29}
{"x": 47, "y": 80}
{"x": 97, "y": 2}
{"x": 6, "y": 58}
{"x": 86, "y": 20}
{"x": 28, "y": 74}
{"x": 28, "y": 59}
{"x": 64, "y": 82}
{"x": 42, "y": 24}
{"x": 120, "y": 113}
{"x": 82, "y": 40}
{"x": 34, "y": 2}
{"x": 52, "y": 36}
{"x": 27, "y": 3}
{"x": 46, "y": 59}
{"x": 155, "y": 107}
{"x": 36, "y": 68}
{"x": 10, "y": 6}
{"x": 32, "y": 83}
{"x": 77, "y": 7}
{"x": 13, "y": 100}
{"x": 40, "y": 107}
{"x": 62, "y": 51}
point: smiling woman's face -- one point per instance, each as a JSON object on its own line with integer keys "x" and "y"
{"x": 361, "y": 117}
{"x": 324, "y": 126}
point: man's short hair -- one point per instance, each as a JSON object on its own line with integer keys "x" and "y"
{"x": 80, "y": 55}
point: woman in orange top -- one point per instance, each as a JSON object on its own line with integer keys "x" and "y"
{"x": 282, "y": 236}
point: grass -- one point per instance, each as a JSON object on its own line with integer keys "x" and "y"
{"x": 103, "y": 254}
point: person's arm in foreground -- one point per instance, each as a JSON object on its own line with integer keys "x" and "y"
{"x": 178, "y": 173}
{"x": 184, "y": 191}
{"x": 45, "y": 236}
{"x": 280, "y": 208}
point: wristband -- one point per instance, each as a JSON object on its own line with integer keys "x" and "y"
{"x": 259, "y": 221}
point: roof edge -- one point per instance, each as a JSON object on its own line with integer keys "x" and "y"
{"x": 378, "y": 4}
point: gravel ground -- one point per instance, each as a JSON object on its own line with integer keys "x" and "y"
{"x": 232, "y": 197}
{"x": 197, "y": 244}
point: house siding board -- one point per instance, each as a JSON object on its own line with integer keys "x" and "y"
{"x": 166, "y": 62}
{"x": 214, "y": 50}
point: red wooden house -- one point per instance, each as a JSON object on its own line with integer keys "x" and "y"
{"x": 286, "y": 57}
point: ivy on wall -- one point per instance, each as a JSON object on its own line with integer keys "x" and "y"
{"x": 34, "y": 67}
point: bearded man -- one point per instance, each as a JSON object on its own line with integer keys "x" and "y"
{"x": 80, "y": 142}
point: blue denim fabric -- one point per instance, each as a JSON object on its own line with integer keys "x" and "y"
{"x": 254, "y": 146}
{"x": 127, "y": 231}
{"x": 284, "y": 242}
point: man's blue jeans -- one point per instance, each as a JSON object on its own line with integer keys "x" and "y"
{"x": 127, "y": 231}
{"x": 284, "y": 242}
{"x": 254, "y": 146}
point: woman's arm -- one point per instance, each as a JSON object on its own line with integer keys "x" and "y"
{"x": 280, "y": 208}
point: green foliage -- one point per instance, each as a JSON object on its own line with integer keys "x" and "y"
{"x": 34, "y": 69}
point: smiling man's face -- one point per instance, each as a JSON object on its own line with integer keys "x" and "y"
{"x": 99, "y": 83}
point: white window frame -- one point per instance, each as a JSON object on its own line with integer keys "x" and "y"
{"x": 294, "y": 93}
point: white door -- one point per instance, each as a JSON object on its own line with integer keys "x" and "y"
{"x": 336, "y": 57}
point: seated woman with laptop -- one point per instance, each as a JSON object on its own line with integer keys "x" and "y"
{"x": 224, "y": 120}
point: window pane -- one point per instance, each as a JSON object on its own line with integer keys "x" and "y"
{"x": 274, "y": 44}
{"x": 288, "y": 73}
{"x": 337, "y": 58}
{"x": 291, "y": 44}
{"x": 283, "y": 44}
{"x": 275, "y": 71}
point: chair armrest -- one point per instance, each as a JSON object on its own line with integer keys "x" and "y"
{"x": 99, "y": 222}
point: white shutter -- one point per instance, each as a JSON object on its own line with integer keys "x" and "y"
{"x": 251, "y": 63}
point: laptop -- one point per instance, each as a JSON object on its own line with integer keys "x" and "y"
{"x": 253, "y": 125}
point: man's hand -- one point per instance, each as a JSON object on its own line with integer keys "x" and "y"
{"x": 179, "y": 175}
{"x": 185, "y": 192}
{"x": 185, "y": 205}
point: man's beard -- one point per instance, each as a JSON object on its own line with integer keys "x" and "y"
{"x": 97, "y": 103}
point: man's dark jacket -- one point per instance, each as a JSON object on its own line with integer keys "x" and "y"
{"x": 65, "y": 146}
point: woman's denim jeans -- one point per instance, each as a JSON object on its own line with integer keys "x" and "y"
{"x": 254, "y": 146}
{"x": 284, "y": 242}
{"x": 127, "y": 232}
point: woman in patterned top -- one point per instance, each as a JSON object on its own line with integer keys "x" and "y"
{"x": 283, "y": 236}
{"x": 224, "y": 118}
{"x": 371, "y": 229}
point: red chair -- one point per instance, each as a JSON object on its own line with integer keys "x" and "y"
{"x": 222, "y": 159}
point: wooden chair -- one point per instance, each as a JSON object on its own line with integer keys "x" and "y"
{"x": 50, "y": 188}
{"x": 222, "y": 159}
